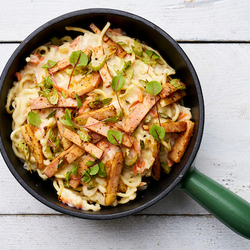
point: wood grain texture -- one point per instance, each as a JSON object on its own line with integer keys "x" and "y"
{"x": 188, "y": 20}
{"x": 134, "y": 232}
{"x": 176, "y": 222}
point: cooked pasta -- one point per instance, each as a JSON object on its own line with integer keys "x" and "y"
{"x": 98, "y": 115}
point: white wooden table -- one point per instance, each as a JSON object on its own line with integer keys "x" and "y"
{"x": 215, "y": 34}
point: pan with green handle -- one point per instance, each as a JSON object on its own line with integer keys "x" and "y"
{"x": 226, "y": 206}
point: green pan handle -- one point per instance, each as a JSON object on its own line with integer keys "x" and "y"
{"x": 226, "y": 206}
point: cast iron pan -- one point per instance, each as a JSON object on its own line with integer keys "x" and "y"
{"x": 229, "y": 208}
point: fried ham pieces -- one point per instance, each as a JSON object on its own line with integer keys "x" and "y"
{"x": 92, "y": 120}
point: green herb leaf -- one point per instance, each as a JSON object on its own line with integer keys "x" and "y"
{"x": 153, "y": 88}
{"x": 34, "y": 119}
{"x": 151, "y": 54}
{"x": 157, "y": 132}
{"x": 79, "y": 102}
{"x": 52, "y": 136}
{"x": 85, "y": 177}
{"x": 114, "y": 137}
{"x": 67, "y": 177}
{"x": 78, "y": 59}
{"x": 66, "y": 119}
{"x": 102, "y": 172}
{"x": 117, "y": 82}
{"x": 51, "y": 114}
{"x": 74, "y": 169}
{"x": 120, "y": 114}
{"x": 90, "y": 163}
{"x": 48, "y": 82}
{"x": 94, "y": 169}
{"x": 97, "y": 104}
{"x": 63, "y": 94}
{"x": 110, "y": 119}
{"x": 49, "y": 64}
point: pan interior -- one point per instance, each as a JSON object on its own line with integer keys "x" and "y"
{"x": 136, "y": 27}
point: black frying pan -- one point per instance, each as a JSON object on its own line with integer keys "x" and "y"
{"x": 229, "y": 208}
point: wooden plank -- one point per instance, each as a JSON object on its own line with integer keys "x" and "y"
{"x": 134, "y": 232}
{"x": 183, "y": 20}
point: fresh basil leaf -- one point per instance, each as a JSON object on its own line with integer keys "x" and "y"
{"x": 78, "y": 59}
{"x": 51, "y": 114}
{"x": 153, "y": 88}
{"x": 117, "y": 82}
{"x": 157, "y": 132}
{"x": 34, "y": 119}
{"x": 49, "y": 64}
{"x": 114, "y": 137}
{"x": 102, "y": 172}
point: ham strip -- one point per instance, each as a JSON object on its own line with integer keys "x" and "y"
{"x": 87, "y": 146}
{"x": 42, "y": 103}
{"x": 104, "y": 71}
{"x": 113, "y": 178}
{"x": 34, "y": 145}
{"x": 140, "y": 111}
{"x": 181, "y": 143}
{"x": 119, "y": 50}
{"x": 102, "y": 129}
